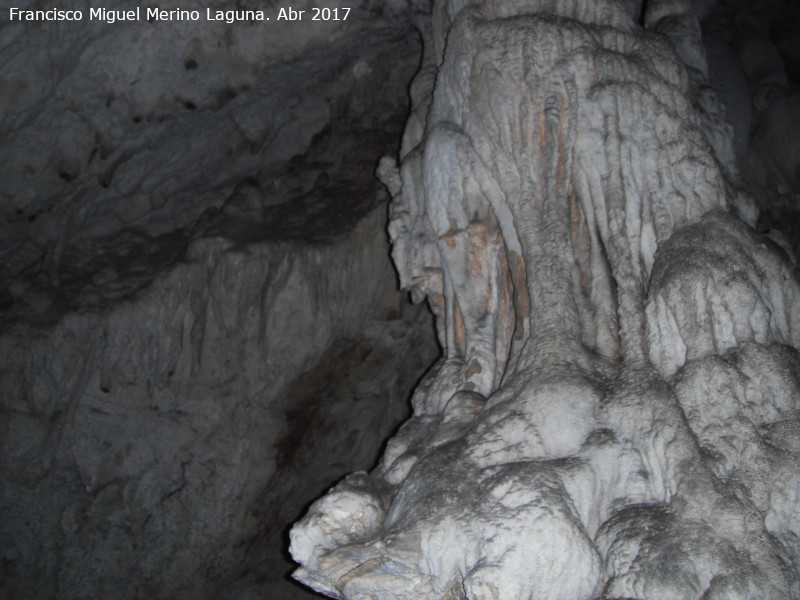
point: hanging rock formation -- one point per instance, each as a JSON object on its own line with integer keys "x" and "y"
{"x": 616, "y": 411}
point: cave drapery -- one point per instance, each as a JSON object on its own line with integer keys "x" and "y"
{"x": 615, "y": 412}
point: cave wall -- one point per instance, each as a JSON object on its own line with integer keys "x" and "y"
{"x": 151, "y": 449}
{"x": 145, "y": 125}
{"x": 200, "y": 327}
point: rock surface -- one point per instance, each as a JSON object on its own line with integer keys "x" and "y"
{"x": 754, "y": 67}
{"x": 146, "y": 125}
{"x": 156, "y": 447}
{"x": 199, "y": 322}
{"x": 615, "y": 414}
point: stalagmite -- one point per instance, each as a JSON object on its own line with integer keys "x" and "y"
{"x": 615, "y": 414}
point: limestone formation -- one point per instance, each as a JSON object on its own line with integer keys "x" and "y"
{"x": 615, "y": 414}
{"x": 199, "y": 323}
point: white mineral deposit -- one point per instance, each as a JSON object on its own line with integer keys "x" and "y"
{"x": 615, "y": 414}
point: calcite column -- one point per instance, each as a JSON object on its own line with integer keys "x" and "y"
{"x": 567, "y": 200}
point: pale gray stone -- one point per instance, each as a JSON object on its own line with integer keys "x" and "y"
{"x": 616, "y": 408}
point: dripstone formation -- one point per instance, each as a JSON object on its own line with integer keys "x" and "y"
{"x": 615, "y": 414}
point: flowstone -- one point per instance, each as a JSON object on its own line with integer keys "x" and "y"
{"x": 615, "y": 414}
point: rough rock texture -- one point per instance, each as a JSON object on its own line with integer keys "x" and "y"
{"x": 754, "y": 67}
{"x": 108, "y": 127}
{"x": 150, "y": 450}
{"x": 199, "y": 327}
{"x": 616, "y": 411}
